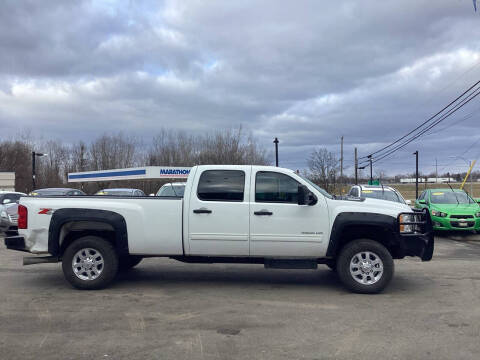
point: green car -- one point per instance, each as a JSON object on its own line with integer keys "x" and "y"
{"x": 450, "y": 209}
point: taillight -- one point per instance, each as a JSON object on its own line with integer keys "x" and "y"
{"x": 22, "y": 217}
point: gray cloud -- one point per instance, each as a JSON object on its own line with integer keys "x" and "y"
{"x": 307, "y": 72}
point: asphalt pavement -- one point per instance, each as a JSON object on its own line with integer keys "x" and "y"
{"x": 164, "y": 309}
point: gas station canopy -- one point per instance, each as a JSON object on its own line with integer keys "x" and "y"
{"x": 139, "y": 173}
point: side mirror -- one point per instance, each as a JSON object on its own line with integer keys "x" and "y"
{"x": 409, "y": 202}
{"x": 423, "y": 202}
{"x": 305, "y": 196}
{"x": 6, "y": 201}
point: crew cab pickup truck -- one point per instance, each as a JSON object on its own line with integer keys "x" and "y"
{"x": 229, "y": 214}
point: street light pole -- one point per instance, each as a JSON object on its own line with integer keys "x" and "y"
{"x": 276, "y": 151}
{"x": 34, "y": 155}
{"x": 371, "y": 169}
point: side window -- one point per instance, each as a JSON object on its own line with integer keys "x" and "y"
{"x": 167, "y": 191}
{"x": 275, "y": 187}
{"x": 221, "y": 185}
{"x": 12, "y": 197}
{"x": 422, "y": 195}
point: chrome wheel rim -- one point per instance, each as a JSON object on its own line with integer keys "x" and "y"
{"x": 87, "y": 264}
{"x": 366, "y": 268}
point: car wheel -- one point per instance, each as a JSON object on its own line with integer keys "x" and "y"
{"x": 129, "y": 261}
{"x": 365, "y": 266}
{"x": 90, "y": 263}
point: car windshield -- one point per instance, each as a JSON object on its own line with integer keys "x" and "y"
{"x": 450, "y": 197}
{"x": 172, "y": 190}
{"x": 382, "y": 195}
{"x": 322, "y": 191}
{"x": 115, "y": 192}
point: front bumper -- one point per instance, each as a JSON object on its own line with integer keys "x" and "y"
{"x": 420, "y": 242}
{"x": 455, "y": 224}
{"x": 16, "y": 243}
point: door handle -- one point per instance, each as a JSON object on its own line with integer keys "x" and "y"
{"x": 202, "y": 211}
{"x": 263, "y": 212}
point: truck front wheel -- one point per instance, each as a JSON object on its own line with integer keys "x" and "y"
{"x": 365, "y": 266}
{"x": 90, "y": 263}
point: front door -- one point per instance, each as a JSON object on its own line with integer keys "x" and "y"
{"x": 278, "y": 225}
{"x": 219, "y": 213}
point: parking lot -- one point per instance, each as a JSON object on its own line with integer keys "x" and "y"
{"x": 168, "y": 310}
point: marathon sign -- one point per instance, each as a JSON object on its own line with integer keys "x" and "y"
{"x": 169, "y": 172}
{"x": 140, "y": 173}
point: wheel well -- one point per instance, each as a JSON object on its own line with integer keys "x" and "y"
{"x": 74, "y": 230}
{"x": 377, "y": 233}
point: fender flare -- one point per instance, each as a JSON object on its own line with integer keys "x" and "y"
{"x": 348, "y": 219}
{"x": 62, "y": 216}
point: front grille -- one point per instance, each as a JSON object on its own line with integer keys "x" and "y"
{"x": 457, "y": 224}
{"x": 461, "y": 216}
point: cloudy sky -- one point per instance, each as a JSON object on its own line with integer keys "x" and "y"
{"x": 307, "y": 72}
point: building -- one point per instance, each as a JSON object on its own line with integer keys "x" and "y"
{"x": 428, "y": 180}
{"x": 7, "y": 181}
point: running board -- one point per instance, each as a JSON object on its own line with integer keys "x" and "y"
{"x": 291, "y": 264}
{"x": 32, "y": 260}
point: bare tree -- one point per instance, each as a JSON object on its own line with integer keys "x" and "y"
{"x": 323, "y": 166}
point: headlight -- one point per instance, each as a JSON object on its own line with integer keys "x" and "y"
{"x": 438, "y": 213}
{"x": 406, "y": 218}
{"x": 3, "y": 214}
{"x": 477, "y": 214}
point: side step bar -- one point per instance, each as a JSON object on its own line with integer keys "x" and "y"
{"x": 32, "y": 260}
{"x": 291, "y": 264}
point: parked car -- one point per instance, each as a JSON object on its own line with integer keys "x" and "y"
{"x": 172, "y": 189}
{"x": 8, "y": 197}
{"x": 230, "y": 213}
{"x": 450, "y": 209}
{"x": 378, "y": 192}
{"x": 121, "y": 192}
{"x": 8, "y": 219}
{"x": 57, "y": 192}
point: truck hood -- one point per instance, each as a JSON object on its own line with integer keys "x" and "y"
{"x": 370, "y": 205}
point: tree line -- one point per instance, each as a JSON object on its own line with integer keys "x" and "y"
{"x": 113, "y": 151}
{"x": 167, "y": 148}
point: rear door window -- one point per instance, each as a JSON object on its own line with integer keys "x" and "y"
{"x": 221, "y": 185}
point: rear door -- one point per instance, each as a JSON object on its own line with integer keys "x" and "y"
{"x": 281, "y": 227}
{"x": 218, "y": 212}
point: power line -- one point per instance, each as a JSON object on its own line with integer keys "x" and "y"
{"x": 425, "y": 122}
{"x": 457, "y": 107}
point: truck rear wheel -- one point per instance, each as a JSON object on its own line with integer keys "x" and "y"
{"x": 90, "y": 263}
{"x": 365, "y": 266}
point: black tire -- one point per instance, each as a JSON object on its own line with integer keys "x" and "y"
{"x": 129, "y": 261}
{"x": 109, "y": 269}
{"x": 358, "y": 246}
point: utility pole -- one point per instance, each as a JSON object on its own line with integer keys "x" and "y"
{"x": 276, "y": 151}
{"x": 436, "y": 171}
{"x": 356, "y": 167}
{"x": 416, "y": 174}
{"x": 341, "y": 158}
{"x": 371, "y": 169}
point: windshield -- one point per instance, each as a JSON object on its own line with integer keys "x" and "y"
{"x": 382, "y": 195}
{"x": 322, "y": 191}
{"x": 450, "y": 197}
{"x": 115, "y": 192}
{"x": 171, "y": 190}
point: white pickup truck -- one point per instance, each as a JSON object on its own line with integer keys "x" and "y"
{"x": 229, "y": 214}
